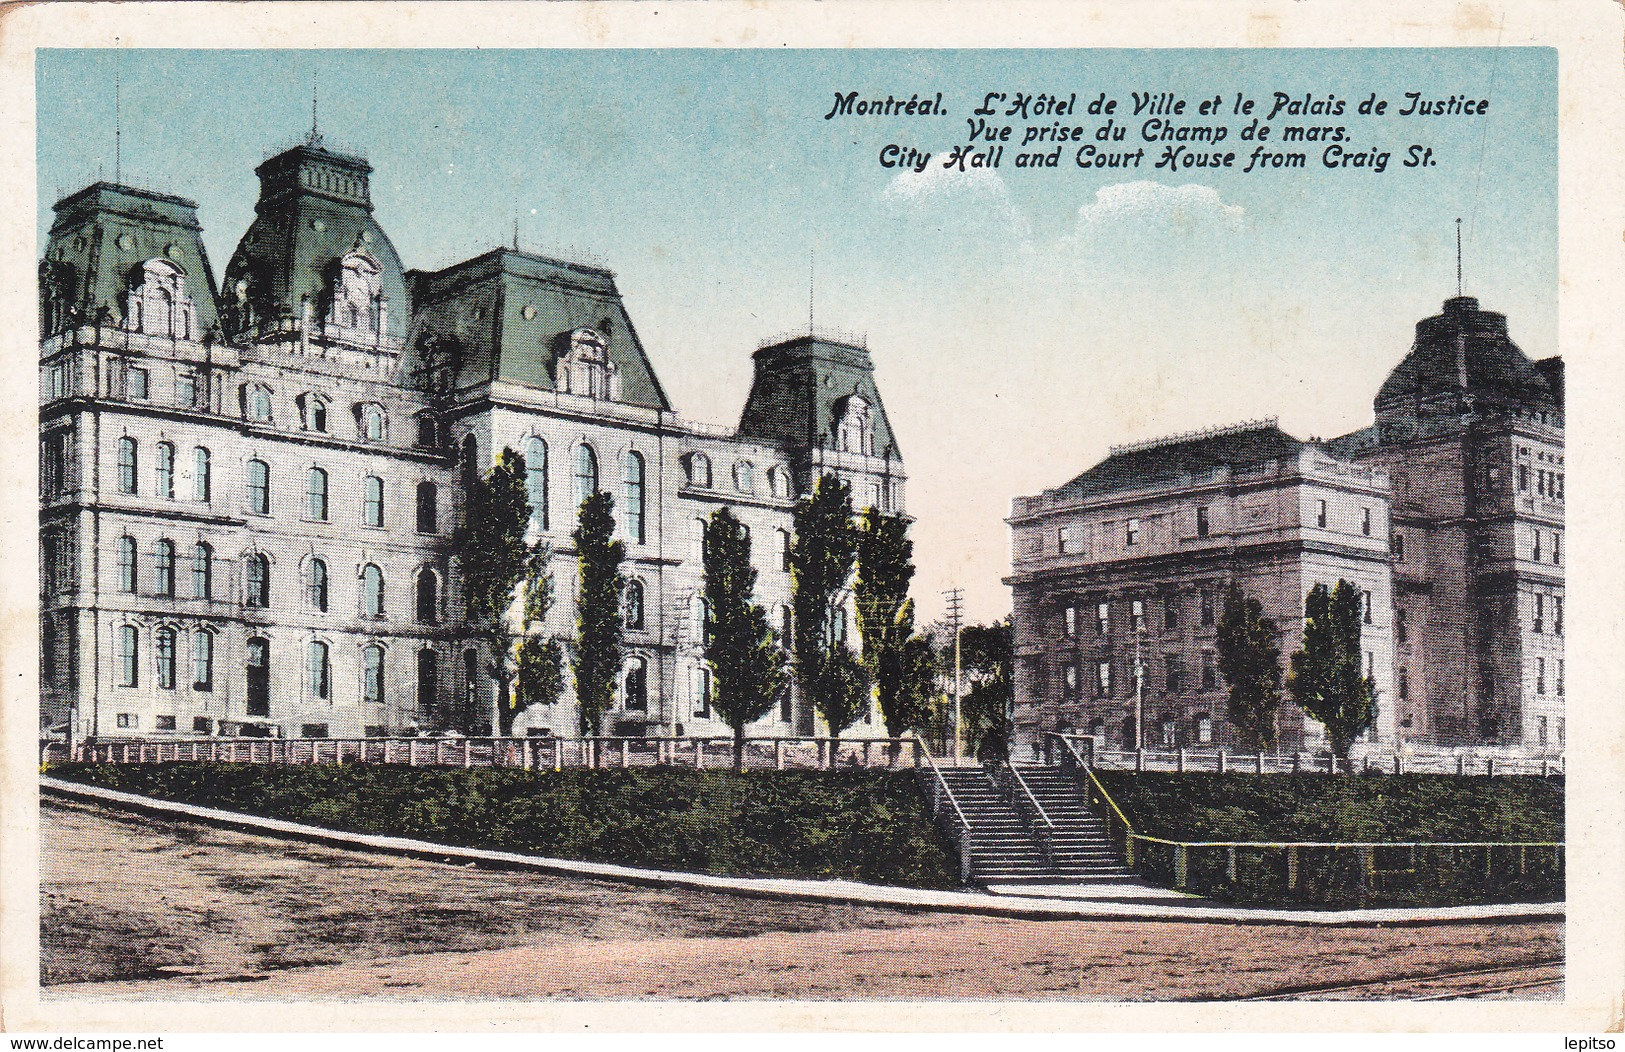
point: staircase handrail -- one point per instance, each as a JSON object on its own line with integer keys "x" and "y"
{"x": 1009, "y": 782}
{"x": 940, "y": 788}
{"x": 1118, "y": 826}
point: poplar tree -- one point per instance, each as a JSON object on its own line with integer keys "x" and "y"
{"x": 747, "y": 664}
{"x": 1326, "y": 678}
{"x": 598, "y": 609}
{"x": 891, "y": 651}
{"x": 539, "y": 660}
{"x": 494, "y": 558}
{"x": 1250, "y": 660}
{"x": 821, "y": 560}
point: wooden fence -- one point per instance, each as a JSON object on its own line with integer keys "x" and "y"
{"x": 1222, "y": 762}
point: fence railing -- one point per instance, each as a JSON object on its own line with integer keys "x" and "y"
{"x": 1339, "y": 868}
{"x": 1221, "y": 761}
{"x": 950, "y": 818}
{"x": 529, "y": 753}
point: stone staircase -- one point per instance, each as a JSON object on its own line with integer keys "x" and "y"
{"x": 1004, "y": 850}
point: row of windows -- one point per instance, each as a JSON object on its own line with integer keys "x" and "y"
{"x": 1540, "y": 675}
{"x": 1199, "y": 732}
{"x": 697, "y": 467}
{"x": 257, "y": 580}
{"x": 257, "y": 477}
{"x": 1172, "y": 607}
{"x": 1173, "y": 676}
{"x": 1538, "y": 551}
{"x": 1548, "y": 484}
{"x": 633, "y": 505}
{"x": 370, "y": 420}
{"x": 1538, "y": 623}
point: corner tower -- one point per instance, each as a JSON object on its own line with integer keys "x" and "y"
{"x": 315, "y": 261}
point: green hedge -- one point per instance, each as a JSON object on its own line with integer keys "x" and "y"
{"x": 850, "y": 824}
{"x": 1377, "y": 808}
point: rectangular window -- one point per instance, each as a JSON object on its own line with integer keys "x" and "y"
{"x": 128, "y": 721}
{"x": 203, "y": 661}
{"x": 1103, "y": 618}
{"x": 1103, "y": 679}
{"x": 202, "y": 725}
{"x": 164, "y": 723}
{"x": 1540, "y": 675}
{"x": 1404, "y": 685}
{"x": 374, "y": 501}
{"x": 1557, "y": 548}
{"x": 702, "y": 693}
{"x": 1397, "y": 545}
{"x": 1207, "y": 609}
{"x": 1536, "y": 550}
{"x": 1365, "y": 607}
{"x": 1557, "y": 614}
{"x": 1202, "y": 525}
{"x": 1068, "y": 540}
{"x": 1560, "y": 488}
{"x": 1170, "y": 664}
{"x": 1370, "y": 663}
{"x": 313, "y": 730}
{"x": 1365, "y": 521}
{"x": 1170, "y": 612}
{"x": 1320, "y": 514}
{"x": 1071, "y": 680}
{"x": 1540, "y": 612}
{"x": 186, "y": 389}
{"x": 1400, "y": 629}
{"x": 1137, "y": 615}
{"x": 129, "y": 656}
{"x": 1131, "y": 533}
{"x": 1070, "y": 621}
{"x": 1210, "y": 674}
{"x": 137, "y": 383}
{"x": 1560, "y": 690}
{"x": 1523, "y": 478}
{"x": 1540, "y": 725}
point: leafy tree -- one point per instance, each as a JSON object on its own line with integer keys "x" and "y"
{"x": 747, "y": 664}
{"x": 821, "y": 561}
{"x": 885, "y": 561}
{"x": 598, "y": 608}
{"x": 1326, "y": 679}
{"x": 539, "y": 661}
{"x": 842, "y": 690}
{"x": 495, "y": 559}
{"x": 985, "y": 660}
{"x": 1250, "y": 660}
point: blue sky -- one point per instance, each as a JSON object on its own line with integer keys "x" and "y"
{"x": 1021, "y": 320}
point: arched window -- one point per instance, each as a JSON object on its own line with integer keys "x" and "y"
{"x": 370, "y": 421}
{"x": 372, "y": 673}
{"x": 126, "y": 565}
{"x": 372, "y": 591}
{"x": 200, "y": 475}
{"x": 163, "y": 564}
{"x": 428, "y": 435}
{"x": 129, "y": 647}
{"x": 699, "y": 470}
{"x": 428, "y": 682}
{"x": 428, "y": 507}
{"x": 318, "y": 494}
{"x": 202, "y": 571}
{"x": 203, "y": 660}
{"x": 259, "y": 487}
{"x": 428, "y": 597}
{"x": 635, "y": 697}
{"x": 632, "y": 614}
{"x": 854, "y": 425}
{"x": 745, "y": 476}
{"x": 781, "y": 540}
{"x": 586, "y": 473}
{"x": 634, "y": 497}
{"x": 536, "y": 480}
{"x": 258, "y": 671}
{"x": 126, "y": 465}
{"x": 258, "y": 399}
{"x": 315, "y": 412}
{"x": 165, "y": 650}
{"x": 373, "y": 513}
{"x": 778, "y": 482}
{"x": 166, "y": 471}
{"x": 317, "y": 585}
{"x": 700, "y": 613}
{"x": 319, "y": 671}
{"x": 259, "y": 581}
{"x": 1204, "y": 729}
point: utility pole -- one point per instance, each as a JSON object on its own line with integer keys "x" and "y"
{"x": 956, "y": 598}
{"x": 1139, "y": 691}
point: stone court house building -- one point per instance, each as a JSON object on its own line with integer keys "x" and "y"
{"x": 248, "y": 490}
{"x": 1446, "y": 513}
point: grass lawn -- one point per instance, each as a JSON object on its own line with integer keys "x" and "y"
{"x": 866, "y": 825}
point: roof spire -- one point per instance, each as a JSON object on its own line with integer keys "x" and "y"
{"x": 1458, "y": 257}
{"x": 118, "y": 121}
{"x": 315, "y": 134}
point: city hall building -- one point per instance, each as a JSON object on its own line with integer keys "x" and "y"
{"x": 1446, "y": 514}
{"x": 248, "y": 490}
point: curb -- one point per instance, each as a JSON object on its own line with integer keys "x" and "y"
{"x": 787, "y": 889}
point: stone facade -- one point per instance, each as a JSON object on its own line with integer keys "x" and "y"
{"x": 248, "y": 496}
{"x": 1447, "y": 514}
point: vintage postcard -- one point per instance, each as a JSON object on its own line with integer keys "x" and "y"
{"x": 865, "y": 516}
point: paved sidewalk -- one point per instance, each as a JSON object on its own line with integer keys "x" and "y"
{"x": 1049, "y": 905}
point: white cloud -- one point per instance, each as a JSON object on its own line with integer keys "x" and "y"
{"x": 1146, "y": 203}
{"x": 948, "y": 192}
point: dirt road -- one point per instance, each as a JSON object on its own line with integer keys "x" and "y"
{"x": 135, "y": 908}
